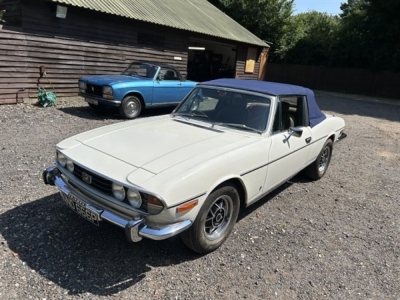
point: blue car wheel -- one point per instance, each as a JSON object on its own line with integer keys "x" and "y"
{"x": 130, "y": 107}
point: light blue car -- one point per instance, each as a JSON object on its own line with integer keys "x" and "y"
{"x": 141, "y": 85}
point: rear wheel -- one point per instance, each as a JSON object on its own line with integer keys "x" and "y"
{"x": 130, "y": 107}
{"x": 215, "y": 220}
{"x": 318, "y": 168}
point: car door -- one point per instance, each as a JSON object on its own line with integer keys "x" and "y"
{"x": 167, "y": 87}
{"x": 289, "y": 152}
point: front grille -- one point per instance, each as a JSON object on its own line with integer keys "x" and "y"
{"x": 103, "y": 185}
{"x": 94, "y": 89}
{"x": 98, "y": 182}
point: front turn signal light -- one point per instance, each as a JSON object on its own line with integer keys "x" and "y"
{"x": 187, "y": 206}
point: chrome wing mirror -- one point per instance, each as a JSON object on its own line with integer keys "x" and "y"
{"x": 295, "y": 131}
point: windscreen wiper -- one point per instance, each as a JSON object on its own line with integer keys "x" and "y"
{"x": 193, "y": 114}
{"x": 239, "y": 126}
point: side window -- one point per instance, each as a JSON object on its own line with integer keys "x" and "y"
{"x": 277, "y": 119}
{"x": 292, "y": 111}
{"x": 168, "y": 74}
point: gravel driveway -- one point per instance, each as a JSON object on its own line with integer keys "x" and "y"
{"x": 337, "y": 238}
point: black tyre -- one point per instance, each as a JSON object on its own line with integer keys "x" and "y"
{"x": 215, "y": 220}
{"x": 318, "y": 168}
{"x": 130, "y": 107}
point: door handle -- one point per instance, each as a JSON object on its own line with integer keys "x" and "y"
{"x": 308, "y": 140}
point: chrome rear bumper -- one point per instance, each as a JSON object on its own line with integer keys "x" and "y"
{"x": 135, "y": 229}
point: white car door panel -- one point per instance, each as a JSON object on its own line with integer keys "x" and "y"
{"x": 287, "y": 157}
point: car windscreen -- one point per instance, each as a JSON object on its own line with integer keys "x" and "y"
{"x": 231, "y": 108}
{"x": 141, "y": 70}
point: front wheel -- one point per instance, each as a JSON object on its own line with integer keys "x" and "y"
{"x": 318, "y": 168}
{"x": 130, "y": 107}
{"x": 215, "y": 220}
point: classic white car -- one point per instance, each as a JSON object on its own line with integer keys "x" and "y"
{"x": 228, "y": 144}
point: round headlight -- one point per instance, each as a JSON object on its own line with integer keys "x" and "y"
{"x": 70, "y": 166}
{"x": 82, "y": 85}
{"x": 107, "y": 90}
{"x": 134, "y": 198}
{"x": 118, "y": 191}
{"x": 62, "y": 160}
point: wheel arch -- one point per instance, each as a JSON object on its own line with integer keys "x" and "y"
{"x": 137, "y": 95}
{"x": 239, "y": 185}
{"x": 332, "y": 137}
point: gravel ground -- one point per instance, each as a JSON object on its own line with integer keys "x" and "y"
{"x": 337, "y": 238}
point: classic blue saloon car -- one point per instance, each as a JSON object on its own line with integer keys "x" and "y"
{"x": 141, "y": 85}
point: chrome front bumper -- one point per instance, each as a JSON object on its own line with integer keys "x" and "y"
{"x": 100, "y": 100}
{"x": 135, "y": 229}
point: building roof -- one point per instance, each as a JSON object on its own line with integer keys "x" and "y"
{"x": 193, "y": 15}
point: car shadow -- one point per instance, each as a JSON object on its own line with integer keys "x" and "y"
{"x": 299, "y": 178}
{"x": 112, "y": 113}
{"x": 78, "y": 256}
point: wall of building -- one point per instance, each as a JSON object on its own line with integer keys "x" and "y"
{"x": 85, "y": 42}
{"x": 36, "y": 48}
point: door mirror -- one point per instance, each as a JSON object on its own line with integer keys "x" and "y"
{"x": 295, "y": 131}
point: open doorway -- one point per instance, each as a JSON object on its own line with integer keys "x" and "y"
{"x": 210, "y": 60}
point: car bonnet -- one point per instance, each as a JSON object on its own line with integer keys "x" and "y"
{"x": 153, "y": 145}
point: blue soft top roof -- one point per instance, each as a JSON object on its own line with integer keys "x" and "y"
{"x": 275, "y": 89}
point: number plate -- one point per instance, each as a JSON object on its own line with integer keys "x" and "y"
{"x": 81, "y": 209}
{"x": 92, "y": 101}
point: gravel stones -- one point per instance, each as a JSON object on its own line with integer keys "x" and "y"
{"x": 336, "y": 238}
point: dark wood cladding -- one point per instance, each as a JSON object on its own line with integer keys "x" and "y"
{"x": 85, "y": 42}
{"x": 241, "y": 63}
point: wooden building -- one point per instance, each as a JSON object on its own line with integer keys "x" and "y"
{"x": 54, "y": 42}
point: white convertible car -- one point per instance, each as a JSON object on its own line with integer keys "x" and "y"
{"x": 228, "y": 144}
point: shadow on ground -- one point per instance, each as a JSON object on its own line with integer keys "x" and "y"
{"x": 82, "y": 258}
{"x": 357, "y": 105}
{"x": 78, "y": 256}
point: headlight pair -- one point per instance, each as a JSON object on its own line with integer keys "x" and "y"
{"x": 147, "y": 202}
{"x": 65, "y": 162}
{"x": 120, "y": 193}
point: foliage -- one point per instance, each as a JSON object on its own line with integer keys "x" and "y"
{"x": 365, "y": 35}
{"x": 270, "y": 20}
{"x": 370, "y": 31}
{"x": 315, "y": 39}
{"x": 2, "y": 12}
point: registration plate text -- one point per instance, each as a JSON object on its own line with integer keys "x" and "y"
{"x": 81, "y": 209}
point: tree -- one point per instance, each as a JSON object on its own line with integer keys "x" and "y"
{"x": 2, "y": 12}
{"x": 316, "y": 33}
{"x": 270, "y": 20}
{"x": 365, "y": 35}
{"x": 369, "y": 32}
